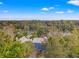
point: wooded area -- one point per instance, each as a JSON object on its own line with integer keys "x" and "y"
{"x": 62, "y": 39}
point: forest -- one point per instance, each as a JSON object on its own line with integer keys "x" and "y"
{"x": 62, "y": 39}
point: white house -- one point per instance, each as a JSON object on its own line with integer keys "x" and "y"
{"x": 39, "y": 40}
{"x": 34, "y": 40}
{"x": 24, "y": 39}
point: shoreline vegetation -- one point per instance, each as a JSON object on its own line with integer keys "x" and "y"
{"x": 39, "y": 39}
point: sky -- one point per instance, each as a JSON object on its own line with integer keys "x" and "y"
{"x": 40, "y": 9}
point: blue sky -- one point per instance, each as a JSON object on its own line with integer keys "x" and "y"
{"x": 40, "y": 9}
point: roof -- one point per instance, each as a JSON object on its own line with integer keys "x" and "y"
{"x": 37, "y": 40}
{"x": 24, "y": 39}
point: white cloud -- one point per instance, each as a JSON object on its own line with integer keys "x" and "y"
{"x": 60, "y": 12}
{"x": 70, "y": 11}
{"x": 45, "y": 9}
{"x": 74, "y": 2}
{"x": 50, "y": 8}
{"x": 1, "y": 3}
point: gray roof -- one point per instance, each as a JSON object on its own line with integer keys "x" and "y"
{"x": 37, "y": 40}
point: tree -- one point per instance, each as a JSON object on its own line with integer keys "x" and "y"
{"x": 54, "y": 48}
{"x": 13, "y": 49}
{"x": 72, "y": 45}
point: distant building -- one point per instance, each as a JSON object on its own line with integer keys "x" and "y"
{"x": 59, "y": 33}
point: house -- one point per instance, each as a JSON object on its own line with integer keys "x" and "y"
{"x": 41, "y": 39}
{"x": 66, "y": 34}
{"x": 24, "y": 39}
{"x": 59, "y": 33}
{"x": 38, "y": 43}
{"x": 29, "y": 36}
{"x": 34, "y": 40}
{"x": 37, "y": 40}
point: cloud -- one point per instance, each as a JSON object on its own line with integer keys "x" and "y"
{"x": 1, "y": 3}
{"x": 74, "y": 2}
{"x": 47, "y": 9}
{"x": 50, "y": 8}
{"x": 70, "y": 11}
{"x": 60, "y": 12}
